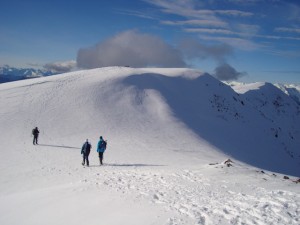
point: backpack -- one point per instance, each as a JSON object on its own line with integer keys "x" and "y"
{"x": 35, "y": 131}
{"x": 103, "y": 145}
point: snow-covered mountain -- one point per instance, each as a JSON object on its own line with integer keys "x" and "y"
{"x": 292, "y": 90}
{"x": 9, "y": 74}
{"x": 169, "y": 133}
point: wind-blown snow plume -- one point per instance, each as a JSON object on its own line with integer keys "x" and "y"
{"x": 130, "y": 48}
{"x": 226, "y": 72}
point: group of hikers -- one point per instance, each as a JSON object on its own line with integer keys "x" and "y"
{"x": 85, "y": 150}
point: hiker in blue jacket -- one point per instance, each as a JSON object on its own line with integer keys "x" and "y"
{"x": 101, "y": 149}
{"x": 85, "y": 151}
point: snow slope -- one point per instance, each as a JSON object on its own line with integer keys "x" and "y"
{"x": 280, "y": 121}
{"x": 169, "y": 132}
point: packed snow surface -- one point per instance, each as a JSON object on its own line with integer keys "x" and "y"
{"x": 169, "y": 132}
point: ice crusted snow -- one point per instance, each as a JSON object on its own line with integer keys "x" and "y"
{"x": 169, "y": 133}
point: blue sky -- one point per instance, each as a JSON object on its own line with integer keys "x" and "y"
{"x": 247, "y": 40}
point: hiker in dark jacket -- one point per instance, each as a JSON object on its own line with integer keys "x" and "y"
{"x": 85, "y": 151}
{"x": 35, "y": 133}
{"x": 101, "y": 149}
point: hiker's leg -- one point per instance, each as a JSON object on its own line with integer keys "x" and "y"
{"x": 101, "y": 158}
{"x": 83, "y": 159}
{"x": 87, "y": 160}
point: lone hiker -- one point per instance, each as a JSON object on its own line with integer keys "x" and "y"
{"x": 35, "y": 133}
{"x": 85, "y": 151}
{"x": 101, "y": 149}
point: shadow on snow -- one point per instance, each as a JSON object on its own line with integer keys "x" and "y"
{"x": 127, "y": 165}
{"x": 191, "y": 102}
{"x": 58, "y": 146}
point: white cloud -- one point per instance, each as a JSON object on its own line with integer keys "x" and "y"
{"x": 185, "y": 8}
{"x": 287, "y": 29}
{"x": 209, "y": 31}
{"x": 205, "y": 23}
{"x": 248, "y": 30}
{"x": 207, "y": 17}
{"x": 240, "y": 43}
{"x": 136, "y": 13}
{"x": 294, "y": 12}
{"x": 193, "y": 49}
{"x": 130, "y": 48}
{"x": 195, "y": 9}
{"x": 61, "y": 67}
{"x": 278, "y": 37}
{"x": 242, "y": 35}
{"x": 234, "y": 13}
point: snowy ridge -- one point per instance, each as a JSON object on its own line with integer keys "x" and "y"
{"x": 254, "y": 128}
{"x": 291, "y": 90}
{"x": 169, "y": 132}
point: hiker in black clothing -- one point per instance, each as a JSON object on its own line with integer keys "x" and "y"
{"x": 35, "y": 133}
{"x": 85, "y": 151}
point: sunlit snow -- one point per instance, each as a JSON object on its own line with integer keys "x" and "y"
{"x": 169, "y": 132}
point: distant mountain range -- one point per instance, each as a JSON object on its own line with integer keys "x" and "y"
{"x": 292, "y": 90}
{"x": 8, "y": 74}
